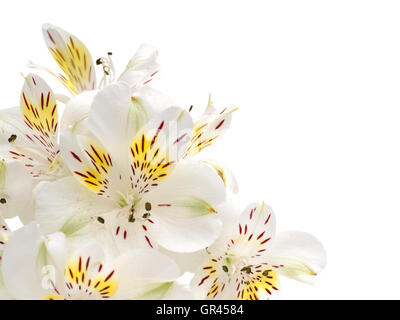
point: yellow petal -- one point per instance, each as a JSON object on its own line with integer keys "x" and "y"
{"x": 73, "y": 58}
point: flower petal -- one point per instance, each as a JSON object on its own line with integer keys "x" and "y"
{"x": 90, "y": 275}
{"x": 180, "y": 290}
{"x": 113, "y": 119}
{"x": 145, "y": 274}
{"x": 64, "y": 205}
{"x": 184, "y": 206}
{"x": 19, "y": 142}
{"x": 141, "y": 68}
{"x": 225, "y": 174}
{"x": 19, "y": 264}
{"x": 255, "y": 231}
{"x": 156, "y": 148}
{"x": 77, "y": 109}
{"x": 299, "y": 255}
{"x": 39, "y": 110}
{"x": 73, "y": 58}
{"x": 188, "y": 235}
{"x": 92, "y": 164}
{"x": 192, "y": 190}
{"x": 152, "y": 100}
{"x": 210, "y": 127}
{"x": 130, "y": 230}
{"x": 16, "y": 187}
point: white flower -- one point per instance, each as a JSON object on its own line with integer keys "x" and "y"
{"x": 37, "y": 267}
{"x": 151, "y": 197}
{"x": 246, "y": 264}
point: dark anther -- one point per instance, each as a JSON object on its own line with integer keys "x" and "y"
{"x": 12, "y": 138}
{"x": 265, "y": 273}
{"x": 246, "y": 269}
{"x": 109, "y": 53}
{"x": 100, "y": 219}
{"x": 131, "y": 218}
{"x": 3, "y": 201}
{"x": 225, "y": 268}
{"x": 146, "y": 215}
{"x": 191, "y": 107}
{"x": 147, "y": 206}
{"x": 98, "y": 61}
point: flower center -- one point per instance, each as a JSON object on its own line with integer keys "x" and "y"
{"x": 135, "y": 215}
{"x": 236, "y": 264}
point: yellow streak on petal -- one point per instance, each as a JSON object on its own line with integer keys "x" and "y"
{"x": 73, "y": 58}
{"x": 265, "y": 281}
{"x": 79, "y": 273}
{"x": 149, "y": 158}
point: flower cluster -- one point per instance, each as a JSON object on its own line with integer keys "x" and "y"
{"x": 114, "y": 200}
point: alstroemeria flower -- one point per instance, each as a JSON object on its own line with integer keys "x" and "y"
{"x": 37, "y": 267}
{"x": 246, "y": 264}
{"x": 29, "y": 133}
{"x": 76, "y": 62}
{"x": 151, "y": 196}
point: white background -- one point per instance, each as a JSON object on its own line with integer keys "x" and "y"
{"x": 317, "y": 135}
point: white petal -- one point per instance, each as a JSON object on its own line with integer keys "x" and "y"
{"x": 188, "y": 235}
{"x": 184, "y": 206}
{"x": 65, "y": 205}
{"x": 300, "y": 253}
{"x": 229, "y": 213}
{"x": 110, "y": 119}
{"x": 145, "y": 274}
{"x": 225, "y": 174}
{"x": 11, "y": 121}
{"x": 16, "y": 186}
{"x": 255, "y": 231}
{"x": 19, "y": 269}
{"x": 187, "y": 262}
{"x": 141, "y": 67}
{"x": 56, "y": 246}
{"x": 153, "y": 101}
{"x": 77, "y": 109}
{"x": 127, "y": 235}
{"x": 180, "y": 290}
{"x": 193, "y": 189}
